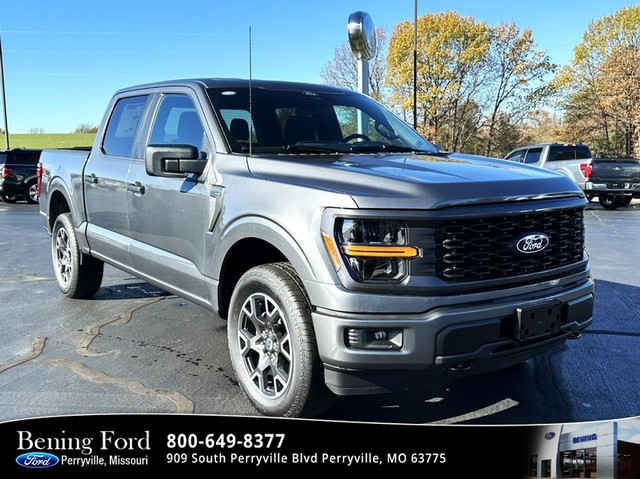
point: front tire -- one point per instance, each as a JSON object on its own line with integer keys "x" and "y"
{"x": 272, "y": 344}
{"x": 78, "y": 275}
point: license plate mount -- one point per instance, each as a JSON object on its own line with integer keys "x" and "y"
{"x": 537, "y": 321}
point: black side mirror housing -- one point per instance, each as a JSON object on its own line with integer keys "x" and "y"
{"x": 173, "y": 160}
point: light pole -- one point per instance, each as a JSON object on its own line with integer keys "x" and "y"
{"x": 362, "y": 39}
{"x": 4, "y": 97}
{"x": 415, "y": 64}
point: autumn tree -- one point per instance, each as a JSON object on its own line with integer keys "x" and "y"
{"x": 342, "y": 70}
{"x": 451, "y": 51}
{"x": 515, "y": 80}
{"x": 602, "y": 84}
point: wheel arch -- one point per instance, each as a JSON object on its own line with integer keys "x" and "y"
{"x": 61, "y": 200}
{"x": 253, "y": 242}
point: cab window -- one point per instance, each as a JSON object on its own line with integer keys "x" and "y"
{"x": 533, "y": 155}
{"x": 123, "y": 126}
{"x": 177, "y": 123}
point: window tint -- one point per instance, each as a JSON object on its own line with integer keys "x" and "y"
{"x": 23, "y": 158}
{"x": 515, "y": 156}
{"x": 177, "y": 123}
{"x": 123, "y": 125}
{"x": 239, "y": 125}
{"x": 569, "y": 152}
{"x": 533, "y": 155}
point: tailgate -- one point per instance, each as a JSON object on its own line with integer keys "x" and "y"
{"x": 615, "y": 170}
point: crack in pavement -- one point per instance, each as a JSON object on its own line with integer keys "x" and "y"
{"x": 182, "y": 403}
{"x": 37, "y": 345}
{"x": 500, "y": 406}
{"x": 92, "y": 331}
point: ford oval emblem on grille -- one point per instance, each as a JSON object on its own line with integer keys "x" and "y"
{"x": 531, "y": 243}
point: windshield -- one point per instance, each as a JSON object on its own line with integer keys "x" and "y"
{"x": 294, "y": 121}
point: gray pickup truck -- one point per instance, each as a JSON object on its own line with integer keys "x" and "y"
{"x": 347, "y": 254}
{"x": 615, "y": 181}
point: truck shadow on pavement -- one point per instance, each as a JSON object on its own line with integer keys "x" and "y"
{"x": 129, "y": 290}
{"x": 594, "y": 378}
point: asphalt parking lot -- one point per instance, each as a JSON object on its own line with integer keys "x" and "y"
{"x": 135, "y": 349}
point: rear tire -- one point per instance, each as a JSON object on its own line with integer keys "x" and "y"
{"x": 31, "y": 193}
{"x": 78, "y": 275}
{"x": 272, "y": 344}
{"x": 610, "y": 202}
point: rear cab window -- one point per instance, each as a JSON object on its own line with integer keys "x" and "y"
{"x": 569, "y": 152}
{"x": 123, "y": 126}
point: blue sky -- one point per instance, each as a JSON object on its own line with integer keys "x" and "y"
{"x": 64, "y": 59}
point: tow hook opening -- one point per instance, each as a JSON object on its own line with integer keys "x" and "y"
{"x": 462, "y": 366}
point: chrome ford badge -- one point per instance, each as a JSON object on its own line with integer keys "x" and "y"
{"x": 532, "y": 243}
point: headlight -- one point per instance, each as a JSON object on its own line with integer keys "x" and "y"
{"x": 374, "y": 249}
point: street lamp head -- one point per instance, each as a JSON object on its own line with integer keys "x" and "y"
{"x": 362, "y": 36}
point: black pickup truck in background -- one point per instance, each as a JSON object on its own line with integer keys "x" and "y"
{"x": 615, "y": 181}
{"x": 18, "y": 169}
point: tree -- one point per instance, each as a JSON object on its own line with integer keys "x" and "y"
{"x": 602, "y": 84}
{"x": 342, "y": 71}
{"x": 451, "y": 51}
{"x": 515, "y": 73}
{"x": 85, "y": 128}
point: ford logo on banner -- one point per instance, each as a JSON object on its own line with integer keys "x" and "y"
{"x": 550, "y": 435}
{"x": 531, "y": 243}
{"x": 37, "y": 460}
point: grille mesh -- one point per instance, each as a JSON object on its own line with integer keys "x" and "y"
{"x": 482, "y": 248}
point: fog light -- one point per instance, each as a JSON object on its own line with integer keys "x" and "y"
{"x": 374, "y": 338}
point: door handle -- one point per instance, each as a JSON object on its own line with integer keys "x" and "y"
{"x": 136, "y": 187}
{"x": 91, "y": 179}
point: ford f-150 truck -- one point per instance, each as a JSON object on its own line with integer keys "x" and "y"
{"x": 616, "y": 181}
{"x": 347, "y": 253}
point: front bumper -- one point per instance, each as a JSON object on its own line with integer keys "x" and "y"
{"x": 465, "y": 338}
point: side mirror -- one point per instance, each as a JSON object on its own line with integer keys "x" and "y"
{"x": 169, "y": 160}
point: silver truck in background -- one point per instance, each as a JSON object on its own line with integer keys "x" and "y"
{"x": 348, "y": 254}
{"x": 563, "y": 158}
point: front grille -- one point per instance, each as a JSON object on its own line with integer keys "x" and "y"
{"x": 483, "y": 248}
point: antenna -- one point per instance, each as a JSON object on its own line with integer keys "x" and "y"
{"x": 250, "y": 100}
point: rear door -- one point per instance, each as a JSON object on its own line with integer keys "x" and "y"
{"x": 167, "y": 215}
{"x": 105, "y": 181}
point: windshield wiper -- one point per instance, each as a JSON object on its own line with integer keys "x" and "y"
{"x": 375, "y": 147}
{"x": 318, "y": 147}
{"x": 302, "y": 147}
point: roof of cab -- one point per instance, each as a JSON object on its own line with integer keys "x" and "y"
{"x": 236, "y": 83}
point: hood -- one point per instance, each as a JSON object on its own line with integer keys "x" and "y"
{"x": 412, "y": 181}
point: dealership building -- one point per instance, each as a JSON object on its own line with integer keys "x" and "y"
{"x": 590, "y": 450}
